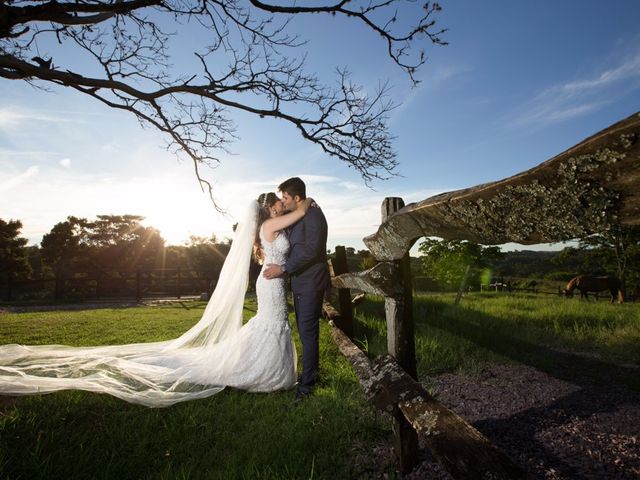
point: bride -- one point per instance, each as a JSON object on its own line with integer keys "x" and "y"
{"x": 218, "y": 352}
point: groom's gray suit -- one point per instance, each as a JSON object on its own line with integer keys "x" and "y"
{"x": 307, "y": 268}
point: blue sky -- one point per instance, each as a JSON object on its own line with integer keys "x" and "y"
{"x": 518, "y": 83}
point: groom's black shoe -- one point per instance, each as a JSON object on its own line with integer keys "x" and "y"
{"x": 300, "y": 396}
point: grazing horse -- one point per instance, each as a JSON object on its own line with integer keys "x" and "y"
{"x": 586, "y": 284}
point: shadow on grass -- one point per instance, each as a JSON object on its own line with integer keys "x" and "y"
{"x": 97, "y": 304}
{"x": 580, "y": 369}
{"x": 76, "y": 435}
{"x": 542, "y": 434}
{"x": 486, "y": 332}
{"x": 232, "y": 435}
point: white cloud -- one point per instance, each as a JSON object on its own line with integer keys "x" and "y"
{"x": 10, "y": 155}
{"x": 8, "y": 182}
{"x": 583, "y": 96}
{"x": 434, "y": 78}
{"x": 556, "y": 115}
{"x": 168, "y": 201}
{"x": 314, "y": 179}
{"x": 135, "y": 176}
{"x": 9, "y": 117}
{"x": 628, "y": 69}
{"x": 13, "y": 116}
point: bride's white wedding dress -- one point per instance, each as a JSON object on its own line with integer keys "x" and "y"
{"x": 217, "y": 352}
{"x": 260, "y": 357}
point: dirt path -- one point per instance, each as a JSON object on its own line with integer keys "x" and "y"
{"x": 565, "y": 424}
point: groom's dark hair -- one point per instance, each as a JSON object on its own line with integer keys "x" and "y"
{"x": 294, "y": 186}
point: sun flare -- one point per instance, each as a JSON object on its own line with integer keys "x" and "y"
{"x": 180, "y": 216}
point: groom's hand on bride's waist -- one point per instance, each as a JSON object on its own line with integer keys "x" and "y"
{"x": 273, "y": 270}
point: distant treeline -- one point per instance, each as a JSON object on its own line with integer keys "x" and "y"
{"x": 114, "y": 255}
{"x": 442, "y": 264}
{"x": 616, "y": 253}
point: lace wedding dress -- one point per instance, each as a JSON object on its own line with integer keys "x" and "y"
{"x": 218, "y": 352}
{"x": 260, "y": 357}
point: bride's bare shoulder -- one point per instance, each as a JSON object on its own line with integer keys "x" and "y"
{"x": 267, "y": 234}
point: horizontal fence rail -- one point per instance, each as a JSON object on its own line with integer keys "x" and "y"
{"x": 135, "y": 284}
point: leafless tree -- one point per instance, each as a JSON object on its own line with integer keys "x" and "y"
{"x": 120, "y": 53}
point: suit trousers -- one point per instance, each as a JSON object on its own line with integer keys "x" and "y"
{"x": 308, "y": 307}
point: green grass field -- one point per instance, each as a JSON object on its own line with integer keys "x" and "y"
{"x": 524, "y": 328}
{"x": 75, "y": 435}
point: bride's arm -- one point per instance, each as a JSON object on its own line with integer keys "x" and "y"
{"x": 276, "y": 224}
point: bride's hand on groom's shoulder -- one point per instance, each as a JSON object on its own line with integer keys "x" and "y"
{"x": 310, "y": 202}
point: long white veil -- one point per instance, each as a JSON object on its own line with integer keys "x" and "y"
{"x": 151, "y": 374}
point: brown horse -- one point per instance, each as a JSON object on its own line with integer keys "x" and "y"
{"x": 586, "y": 284}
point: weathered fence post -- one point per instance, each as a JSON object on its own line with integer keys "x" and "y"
{"x": 399, "y": 309}
{"x": 344, "y": 294}
{"x": 401, "y": 343}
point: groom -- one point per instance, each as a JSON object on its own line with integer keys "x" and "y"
{"x": 307, "y": 268}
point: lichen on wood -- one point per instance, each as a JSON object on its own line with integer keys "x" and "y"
{"x": 426, "y": 422}
{"x": 581, "y": 191}
{"x": 574, "y": 203}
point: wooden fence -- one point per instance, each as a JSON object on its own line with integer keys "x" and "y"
{"x": 175, "y": 282}
{"x": 584, "y": 190}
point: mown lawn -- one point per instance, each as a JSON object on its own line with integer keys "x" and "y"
{"x": 536, "y": 330}
{"x": 239, "y": 435}
{"x": 75, "y": 435}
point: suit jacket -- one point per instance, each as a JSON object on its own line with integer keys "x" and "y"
{"x": 307, "y": 262}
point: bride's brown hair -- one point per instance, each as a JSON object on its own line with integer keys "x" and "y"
{"x": 266, "y": 201}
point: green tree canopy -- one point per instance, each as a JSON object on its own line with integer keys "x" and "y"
{"x": 64, "y": 244}
{"x": 446, "y": 261}
{"x": 121, "y": 242}
{"x": 206, "y": 255}
{"x": 616, "y": 250}
{"x": 14, "y": 262}
{"x": 111, "y": 242}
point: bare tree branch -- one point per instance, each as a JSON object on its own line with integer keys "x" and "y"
{"x": 250, "y": 64}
